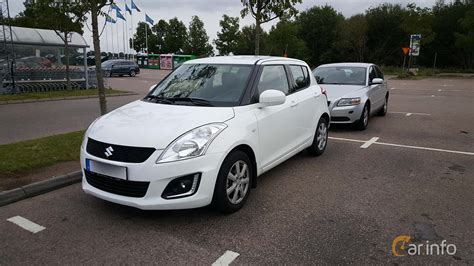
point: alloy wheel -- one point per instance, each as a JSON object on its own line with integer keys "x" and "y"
{"x": 238, "y": 180}
{"x": 322, "y": 136}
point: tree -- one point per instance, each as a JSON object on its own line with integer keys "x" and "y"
{"x": 465, "y": 39}
{"x": 386, "y": 35}
{"x": 246, "y": 41}
{"x": 175, "y": 37}
{"x": 62, "y": 16}
{"x": 319, "y": 28}
{"x": 197, "y": 42}
{"x": 264, "y": 11}
{"x": 283, "y": 39}
{"x": 227, "y": 38}
{"x": 95, "y": 9}
{"x": 159, "y": 31}
{"x": 140, "y": 37}
{"x": 354, "y": 37}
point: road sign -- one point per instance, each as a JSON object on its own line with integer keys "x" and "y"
{"x": 415, "y": 44}
{"x": 405, "y": 50}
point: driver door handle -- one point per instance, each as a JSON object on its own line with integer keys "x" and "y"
{"x": 294, "y": 103}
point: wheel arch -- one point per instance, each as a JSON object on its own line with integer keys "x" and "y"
{"x": 251, "y": 154}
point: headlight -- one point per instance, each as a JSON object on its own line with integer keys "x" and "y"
{"x": 84, "y": 139}
{"x": 192, "y": 144}
{"x": 348, "y": 101}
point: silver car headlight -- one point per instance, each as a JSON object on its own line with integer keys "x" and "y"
{"x": 349, "y": 101}
{"x": 191, "y": 144}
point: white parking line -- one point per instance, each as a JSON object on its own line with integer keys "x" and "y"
{"x": 226, "y": 259}
{"x": 409, "y": 114}
{"x": 405, "y": 146}
{"x": 369, "y": 142}
{"x": 26, "y": 224}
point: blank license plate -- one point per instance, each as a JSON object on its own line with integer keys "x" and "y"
{"x": 106, "y": 169}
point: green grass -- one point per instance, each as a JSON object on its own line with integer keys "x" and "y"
{"x": 54, "y": 94}
{"x": 32, "y": 154}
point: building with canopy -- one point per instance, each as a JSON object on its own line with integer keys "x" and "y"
{"x": 34, "y": 60}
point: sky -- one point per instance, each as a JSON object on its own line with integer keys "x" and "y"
{"x": 209, "y": 11}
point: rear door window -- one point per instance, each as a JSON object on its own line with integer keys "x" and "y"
{"x": 300, "y": 77}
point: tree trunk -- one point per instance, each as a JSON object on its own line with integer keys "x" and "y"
{"x": 66, "y": 56}
{"x": 98, "y": 68}
{"x": 257, "y": 34}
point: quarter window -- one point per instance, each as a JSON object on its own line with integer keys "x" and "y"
{"x": 273, "y": 78}
{"x": 300, "y": 77}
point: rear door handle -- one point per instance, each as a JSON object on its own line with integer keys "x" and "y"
{"x": 294, "y": 103}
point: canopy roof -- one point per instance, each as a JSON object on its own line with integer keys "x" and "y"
{"x": 44, "y": 37}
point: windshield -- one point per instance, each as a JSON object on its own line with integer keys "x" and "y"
{"x": 217, "y": 85}
{"x": 340, "y": 75}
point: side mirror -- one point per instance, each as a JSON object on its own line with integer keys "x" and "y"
{"x": 272, "y": 97}
{"x": 152, "y": 87}
{"x": 377, "y": 81}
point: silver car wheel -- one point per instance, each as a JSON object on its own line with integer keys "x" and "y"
{"x": 366, "y": 116}
{"x": 238, "y": 180}
{"x": 322, "y": 136}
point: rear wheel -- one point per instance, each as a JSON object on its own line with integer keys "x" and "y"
{"x": 364, "y": 118}
{"x": 233, "y": 183}
{"x": 320, "y": 138}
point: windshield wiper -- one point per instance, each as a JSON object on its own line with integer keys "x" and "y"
{"x": 159, "y": 99}
{"x": 195, "y": 101}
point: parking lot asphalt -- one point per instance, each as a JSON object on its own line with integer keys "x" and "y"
{"x": 346, "y": 206}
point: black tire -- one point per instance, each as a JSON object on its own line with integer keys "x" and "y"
{"x": 383, "y": 110}
{"x": 363, "y": 121}
{"x": 320, "y": 139}
{"x": 132, "y": 73}
{"x": 220, "y": 199}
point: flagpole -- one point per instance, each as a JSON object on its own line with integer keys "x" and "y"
{"x": 131, "y": 22}
{"x": 123, "y": 37}
{"x": 146, "y": 36}
{"x": 118, "y": 41}
{"x": 112, "y": 39}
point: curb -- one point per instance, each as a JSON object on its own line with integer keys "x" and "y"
{"x": 38, "y": 188}
{"x": 64, "y": 98}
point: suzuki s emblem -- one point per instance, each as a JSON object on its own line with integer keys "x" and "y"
{"x": 108, "y": 151}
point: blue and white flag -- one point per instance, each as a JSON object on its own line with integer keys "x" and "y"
{"x": 149, "y": 20}
{"x": 135, "y": 6}
{"x": 119, "y": 15}
{"x": 114, "y": 6}
{"x": 127, "y": 9}
{"x": 109, "y": 19}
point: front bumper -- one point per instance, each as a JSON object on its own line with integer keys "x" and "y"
{"x": 345, "y": 114}
{"x": 159, "y": 175}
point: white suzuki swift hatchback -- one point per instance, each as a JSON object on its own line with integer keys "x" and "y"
{"x": 204, "y": 133}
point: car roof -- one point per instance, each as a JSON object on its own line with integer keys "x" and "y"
{"x": 348, "y": 64}
{"x": 241, "y": 59}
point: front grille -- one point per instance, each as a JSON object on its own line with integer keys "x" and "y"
{"x": 136, "y": 189}
{"x": 118, "y": 153}
{"x": 339, "y": 118}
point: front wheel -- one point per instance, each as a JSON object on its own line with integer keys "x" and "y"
{"x": 383, "y": 110}
{"x": 320, "y": 138}
{"x": 364, "y": 118}
{"x": 233, "y": 183}
{"x": 132, "y": 73}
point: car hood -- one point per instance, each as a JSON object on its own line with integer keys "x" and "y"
{"x": 145, "y": 124}
{"x": 335, "y": 92}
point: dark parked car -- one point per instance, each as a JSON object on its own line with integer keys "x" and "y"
{"x": 120, "y": 67}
